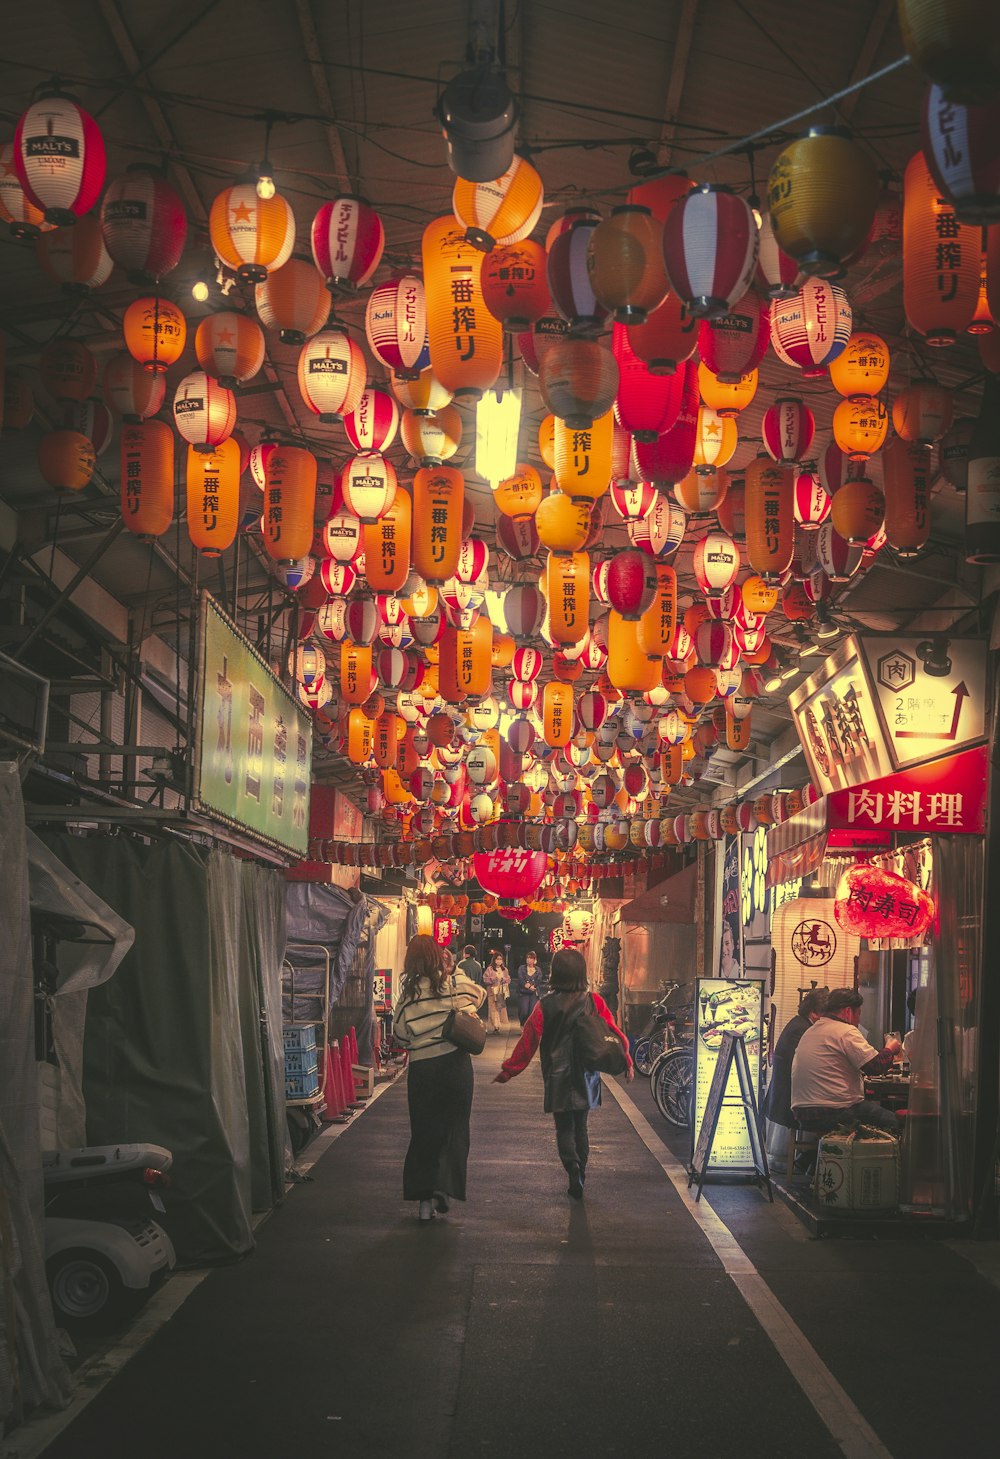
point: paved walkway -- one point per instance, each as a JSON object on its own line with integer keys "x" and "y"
{"x": 525, "y": 1324}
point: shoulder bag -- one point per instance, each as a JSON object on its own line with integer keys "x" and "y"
{"x": 596, "y": 1045}
{"x": 465, "y": 1030}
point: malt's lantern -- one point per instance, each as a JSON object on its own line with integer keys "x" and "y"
{"x": 857, "y": 511}
{"x": 438, "y": 501}
{"x": 716, "y": 562}
{"x": 863, "y": 367}
{"x": 770, "y": 519}
{"x": 557, "y": 714}
{"x": 144, "y": 224}
{"x": 515, "y": 287}
{"x": 466, "y": 341}
{"x": 520, "y": 495}
{"x": 212, "y": 482}
{"x": 251, "y": 235}
{"x": 205, "y": 415}
{"x": 431, "y": 439}
{"x": 568, "y": 276}
{"x": 502, "y": 211}
{"x": 396, "y": 325}
{"x": 578, "y": 381}
{"x": 155, "y": 333}
{"x": 66, "y": 459}
{"x": 658, "y": 623}
{"x": 629, "y": 667}
{"x": 60, "y": 159}
{"x": 582, "y": 456}
{"x": 332, "y": 373}
{"x": 860, "y": 427}
{"x": 75, "y": 258}
{"x": 293, "y": 301}
{"x": 734, "y": 343}
{"x": 68, "y": 369}
{"x": 822, "y": 193}
{"x": 907, "y": 475}
{"x": 923, "y": 412}
{"x": 788, "y": 430}
{"x": 710, "y": 245}
{"x": 941, "y": 260}
{"x": 957, "y": 44}
{"x": 667, "y": 338}
{"x": 289, "y": 502}
{"x": 625, "y": 263}
{"x": 230, "y": 347}
{"x": 26, "y": 221}
{"x": 369, "y": 485}
{"x": 147, "y": 478}
{"x": 567, "y": 578}
{"x": 347, "y": 240}
{"x": 777, "y": 273}
{"x": 810, "y": 329}
{"x": 726, "y": 400}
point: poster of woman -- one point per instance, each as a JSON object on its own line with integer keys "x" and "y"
{"x": 731, "y": 939}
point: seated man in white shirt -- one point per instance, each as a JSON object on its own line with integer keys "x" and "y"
{"x": 832, "y": 1058}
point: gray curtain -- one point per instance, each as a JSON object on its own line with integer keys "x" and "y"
{"x": 264, "y": 922}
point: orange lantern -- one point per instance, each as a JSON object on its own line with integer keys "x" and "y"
{"x": 738, "y": 730}
{"x": 501, "y": 211}
{"x": 250, "y": 234}
{"x": 155, "y": 332}
{"x": 562, "y": 524}
{"x": 431, "y": 439}
{"x": 68, "y": 369}
{"x": 387, "y": 546}
{"x": 520, "y": 494}
{"x": 860, "y": 426}
{"x": 758, "y": 596}
{"x": 629, "y": 666}
{"x": 438, "y": 503}
{"x": 716, "y": 439}
{"x": 862, "y": 367}
{"x": 940, "y": 260}
{"x": 213, "y": 496}
{"x": 360, "y": 736}
{"x": 465, "y": 669}
{"x": 424, "y": 394}
{"x": 702, "y": 491}
{"x": 356, "y": 675}
{"x": 230, "y": 346}
{"x": 547, "y": 441}
{"x": 726, "y": 400}
{"x": 466, "y": 341}
{"x": 956, "y": 43}
{"x": 857, "y": 510}
{"x": 515, "y": 288}
{"x": 770, "y": 517}
{"x": 822, "y": 194}
{"x": 625, "y": 263}
{"x": 700, "y": 684}
{"x": 76, "y": 258}
{"x": 294, "y": 301}
{"x": 658, "y": 624}
{"x": 385, "y": 746}
{"x": 583, "y": 456}
{"x": 907, "y": 475}
{"x": 567, "y": 588}
{"x": 667, "y": 338}
{"x": 503, "y": 648}
{"x": 134, "y": 393}
{"x": 578, "y": 380}
{"x": 289, "y": 504}
{"x": 923, "y": 412}
{"x": 147, "y": 478}
{"x": 66, "y": 459}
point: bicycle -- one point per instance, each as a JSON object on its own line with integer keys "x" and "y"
{"x": 659, "y": 1032}
{"x": 670, "y": 1080}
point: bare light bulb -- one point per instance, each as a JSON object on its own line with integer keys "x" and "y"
{"x": 200, "y": 291}
{"x": 265, "y": 186}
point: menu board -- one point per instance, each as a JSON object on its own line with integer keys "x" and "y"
{"x": 726, "y": 1006}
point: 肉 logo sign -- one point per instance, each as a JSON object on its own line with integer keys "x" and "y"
{"x": 813, "y": 943}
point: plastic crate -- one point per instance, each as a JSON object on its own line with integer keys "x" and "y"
{"x": 301, "y": 1086}
{"x": 299, "y": 1035}
{"x": 301, "y": 1061}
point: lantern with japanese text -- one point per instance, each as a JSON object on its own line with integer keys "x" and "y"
{"x": 438, "y": 500}
{"x": 147, "y": 478}
{"x": 578, "y": 381}
{"x": 810, "y": 329}
{"x": 788, "y": 430}
{"x": 396, "y": 325}
{"x": 515, "y": 288}
{"x": 212, "y": 488}
{"x": 710, "y": 245}
{"x": 862, "y": 369}
{"x": 582, "y": 456}
{"x": 75, "y": 258}
{"x": 858, "y": 510}
{"x": 155, "y": 333}
{"x": 466, "y": 341}
{"x": 568, "y": 592}
{"x": 940, "y": 260}
{"x": 625, "y": 263}
{"x": 734, "y": 343}
{"x": 634, "y": 501}
{"x": 357, "y": 678}
{"x": 661, "y": 531}
{"x": 251, "y": 235}
{"x": 716, "y": 562}
{"x": 331, "y": 374}
{"x": 520, "y": 495}
{"x": 871, "y": 902}
{"x": 510, "y": 872}
{"x": 347, "y": 239}
{"x": 293, "y": 301}
{"x": 658, "y": 623}
{"x": 557, "y": 714}
{"x": 860, "y": 427}
{"x": 770, "y": 521}
{"x": 144, "y": 224}
{"x": 59, "y": 157}
{"x": 959, "y": 146}
{"x": 776, "y": 271}
{"x": 812, "y": 500}
{"x": 957, "y": 44}
{"x": 907, "y": 476}
{"x": 838, "y": 558}
{"x": 726, "y": 400}
{"x": 66, "y": 459}
{"x": 668, "y": 337}
{"x": 387, "y": 545}
{"x": 360, "y": 736}
{"x": 369, "y": 486}
{"x": 465, "y": 661}
{"x": 568, "y": 275}
{"x": 205, "y": 414}
{"x": 289, "y": 500}
{"x": 922, "y": 412}
{"x": 372, "y": 424}
{"x": 68, "y": 369}
{"x": 432, "y": 439}
{"x": 230, "y": 347}
{"x": 822, "y": 193}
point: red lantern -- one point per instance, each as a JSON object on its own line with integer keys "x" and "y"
{"x": 870, "y": 902}
{"x": 788, "y": 430}
{"x": 204, "y": 411}
{"x": 568, "y": 275}
{"x": 144, "y": 224}
{"x": 646, "y": 405}
{"x": 511, "y": 872}
{"x": 60, "y": 159}
{"x": 631, "y": 583}
{"x": 710, "y": 245}
{"x": 515, "y": 286}
{"x": 959, "y": 144}
{"x": 347, "y": 240}
{"x": 734, "y": 343}
{"x": 372, "y": 424}
{"x": 669, "y": 458}
{"x": 518, "y": 537}
{"x": 396, "y": 325}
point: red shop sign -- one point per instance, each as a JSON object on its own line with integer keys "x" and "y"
{"x": 946, "y": 795}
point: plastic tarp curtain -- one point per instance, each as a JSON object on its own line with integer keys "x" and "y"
{"x": 31, "y": 1371}
{"x": 172, "y": 1052}
{"x": 344, "y": 924}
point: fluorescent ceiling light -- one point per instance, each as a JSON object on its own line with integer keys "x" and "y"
{"x": 498, "y": 421}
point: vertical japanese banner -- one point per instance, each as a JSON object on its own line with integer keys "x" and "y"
{"x": 731, "y": 937}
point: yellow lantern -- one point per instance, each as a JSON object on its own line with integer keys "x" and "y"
{"x": 658, "y": 624}
{"x": 547, "y": 441}
{"x": 355, "y": 672}
{"x": 860, "y": 426}
{"x": 822, "y": 194}
{"x": 424, "y": 395}
{"x": 625, "y": 263}
{"x": 567, "y": 589}
{"x": 385, "y": 743}
{"x": 857, "y": 510}
{"x": 770, "y": 517}
{"x": 862, "y": 367}
{"x": 941, "y": 259}
{"x": 155, "y": 333}
{"x": 66, "y": 459}
{"x": 147, "y": 478}
{"x": 212, "y": 488}
{"x": 956, "y": 43}
{"x": 466, "y": 342}
{"x": 520, "y": 494}
{"x": 629, "y": 667}
{"x": 387, "y": 545}
{"x": 702, "y": 491}
{"x": 562, "y": 524}
{"x": 923, "y": 412}
{"x": 431, "y": 439}
{"x": 465, "y": 670}
{"x": 289, "y": 503}
{"x": 907, "y": 476}
{"x": 503, "y": 649}
{"x": 501, "y": 211}
{"x": 250, "y": 234}
{"x": 294, "y": 301}
{"x": 438, "y": 505}
{"x": 420, "y": 601}
{"x": 716, "y": 439}
{"x": 726, "y": 400}
{"x": 583, "y": 456}
{"x": 557, "y": 714}
{"x": 360, "y": 736}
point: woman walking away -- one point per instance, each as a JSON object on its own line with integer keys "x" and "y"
{"x": 497, "y": 981}
{"x": 439, "y": 1079}
{"x": 570, "y": 1091}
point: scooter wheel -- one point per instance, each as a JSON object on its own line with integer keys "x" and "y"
{"x": 87, "y": 1290}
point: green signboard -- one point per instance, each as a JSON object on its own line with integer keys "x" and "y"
{"x": 254, "y": 762}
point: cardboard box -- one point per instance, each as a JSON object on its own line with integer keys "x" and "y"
{"x": 364, "y": 1080}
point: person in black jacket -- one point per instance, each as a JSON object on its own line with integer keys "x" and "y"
{"x": 778, "y": 1102}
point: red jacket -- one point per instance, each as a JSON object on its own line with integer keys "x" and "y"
{"x": 531, "y": 1037}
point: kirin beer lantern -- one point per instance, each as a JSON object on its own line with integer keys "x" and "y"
{"x": 147, "y": 478}
{"x": 347, "y": 240}
{"x": 466, "y": 341}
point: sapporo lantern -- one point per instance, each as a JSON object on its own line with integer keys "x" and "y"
{"x": 941, "y": 258}
{"x": 347, "y": 241}
{"x": 625, "y": 263}
{"x": 466, "y": 341}
{"x": 702, "y": 491}
{"x": 871, "y": 902}
{"x": 431, "y": 439}
{"x": 770, "y": 520}
{"x": 862, "y": 368}
{"x": 810, "y": 329}
{"x": 212, "y": 482}
{"x": 716, "y": 439}
{"x": 289, "y": 503}
{"x": 734, "y": 343}
{"x": 147, "y": 478}
{"x": 567, "y": 587}
{"x": 578, "y": 381}
{"x": 155, "y": 333}
{"x": 520, "y": 495}
{"x": 205, "y": 414}
{"x": 860, "y": 427}
{"x": 710, "y": 245}
{"x": 822, "y": 194}
{"x": 438, "y": 502}
{"x": 515, "y": 287}
{"x": 144, "y": 224}
{"x": 251, "y": 235}
{"x": 229, "y": 346}
{"x": 658, "y": 624}
{"x": 423, "y": 393}
{"x": 396, "y": 325}
{"x": 293, "y": 301}
{"x": 332, "y": 374}
{"x": 727, "y": 400}
{"x": 387, "y": 545}
{"x": 60, "y": 159}
{"x": 502, "y": 211}
{"x": 582, "y": 456}
{"x": 906, "y": 479}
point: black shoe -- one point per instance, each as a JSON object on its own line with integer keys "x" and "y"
{"x": 441, "y": 1202}
{"x": 575, "y": 1182}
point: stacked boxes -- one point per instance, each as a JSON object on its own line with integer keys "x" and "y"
{"x": 301, "y": 1061}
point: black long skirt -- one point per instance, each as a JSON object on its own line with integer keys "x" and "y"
{"x": 439, "y": 1095}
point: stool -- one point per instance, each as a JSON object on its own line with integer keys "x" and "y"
{"x": 800, "y": 1139}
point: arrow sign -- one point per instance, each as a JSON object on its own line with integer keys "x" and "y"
{"x": 961, "y": 693}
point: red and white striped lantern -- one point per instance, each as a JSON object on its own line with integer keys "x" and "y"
{"x": 331, "y": 620}
{"x": 716, "y": 562}
{"x": 661, "y": 531}
{"x": 834, "y": 468}
{"x": 714, "y": 645}
{"x": 724, "y": 606}
{"x": 670, "y": 457}
{"x": 518, "y": 537}
{"x": 204, "y": 411}
{"x": 960, "y": 148}
{"x": 337, "y": 577}
{"x": 522, "y": 696}
{"x": 838, "y": 558}
{"x": 332, "y": 374}
{"x": 810, "y": 329}
{"x": 526, "y": 664}
{"x": 569, "y": 277}
{"x": 369, "y": 486}
{"x": 788, "y": 429}
{"x": 396, "y": 325}
{"x": 60, "y": 159}
{"x": 524, "y": 610}
{"x": 710, "y": 246}
{"x": 591, "y": 710}
{"x": 646, "y": 405}
{"x": 776, "y": 270}
{"x": 362, "y": 621}
{"x": 734, "y": 343}
{"x": 473, "y": 562}
{"x": 144, "y": 224}
{"x": 347, "y": 240}
{"x": 257, "y": 463}
{"x": 811, "y": 498}
{"x": 372, "y": 424}
{"x": 633, "y": 502}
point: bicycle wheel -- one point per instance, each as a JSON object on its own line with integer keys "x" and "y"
{"x": 642, "y": 1058}
{"x": 670, "y": 1081}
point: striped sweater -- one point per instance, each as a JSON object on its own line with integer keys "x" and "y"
{"x": 417, "y": 1024}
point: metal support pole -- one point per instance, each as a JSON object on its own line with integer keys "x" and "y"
{"x": 82, "y": 572}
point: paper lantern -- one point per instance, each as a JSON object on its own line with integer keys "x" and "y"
{"x": 26, "y": 221}
{"x": 369, "y": 486}
{"x": 289, "y": 500}
{"x": 809, "y": 330}
{"x": 710, "y": 245}
{"x": 387, "y": 545}
{"x": 630, "y": 669}
{"x": 953, "y": 452}
{"x": 811, "y": 498}
{"x": 230, "y": 347}
{"x": 788, "y": 430}
{"x": 205, "y": 413}
{"x": 347, "y": 239}
{"x": 293, "y": 301}
{"x": 582, "y": 456}
{"x": 716, "y": 562}
{"x": 699, "y": 684}
{"x": 515, "y": 287}
{"x": 511, "y": 872}
{"x": 838, "y": 558}
{"x": 858, "y": 510}
{"x": 870, "y": 902}
{"x": 502, "y": 211}
{"x": 520, "y": 494}
{"x": 941, "y": 257}
{"x": 144, "y": 224}
{"x": 956, "y": 43}
{"x": 646, "y": 405}
{"x": 631, "y": 583}
{"x": 66, "y": 459}
{"x": 668, "y": 337}
{"x": 860, "y": 427}
{"x": 372, "y": 424}
{"x": 68, "y": 369}
{"x": 661, "y": 531}
{"x": 634, "y": 501}
{"x": 923, "y": 412}
{"x": 770, "y": 522}
{"x": 822, "y": 193}
{"x": 658, "y": 623}
{"x": 731, "y": 510}
{"x": 578, "y": 381}
{"x": 776, "y": 271}
{"x": 959, "y": 144}
{"x": 357, "y": 679}
{"x": 702, "y": 491}
{"x": 90, "y": 417}
{"x": 726, "y": 400}
{"x": 60, "y": 159}
{"x": 907, "y": 476}
{"x": 396, "y": 326}
{"x": 568, "y": 275}
{"x": 438, "y": 499}
{"x": 557, "y": 714}
{"x": 625, "y": 263}
{"x": 423, "y": 395}
{"x": 466, "y": 341}
{"x": 862, "y": 369}
{"x": 465, "y": 661}
{"x": 524, "y": 610}
{"x": 75, "y": 258}
{"x": 147, "y": 478}
{"x": 716, "y": 439}
{"x": 155, "y": 333}
{"x": 212, "y": 485}
{"x": 251, "y": 235}
{"x": 567, "y": 577}
{"x": 331, "y": 374}
{"x": 432, "y": 439}
{"x": 734, "y": 343}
